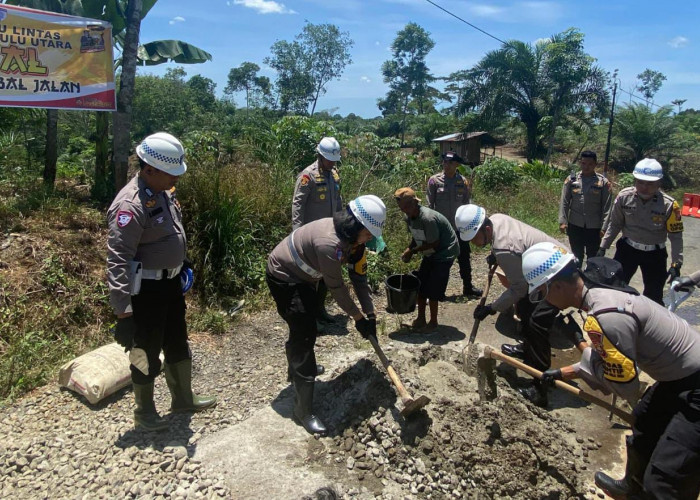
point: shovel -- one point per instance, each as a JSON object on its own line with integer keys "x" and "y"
{"x": 482, "y": 301}
{"x": 410, "y": 405}
{"x": 490, "y": 352}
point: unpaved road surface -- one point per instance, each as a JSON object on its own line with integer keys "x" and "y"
{"x": 55, "y": 445}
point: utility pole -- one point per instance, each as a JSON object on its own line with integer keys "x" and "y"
{"x": 610, "y": 125}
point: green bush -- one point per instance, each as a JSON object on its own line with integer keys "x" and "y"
{"x": 537, "y": 170}
{"x": 498, "y": 173}
{"x": 625, "y": 180}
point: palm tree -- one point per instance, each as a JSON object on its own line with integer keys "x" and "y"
{"x": 641, "y": 132}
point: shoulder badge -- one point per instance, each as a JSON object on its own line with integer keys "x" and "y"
{"x": 124, "y": 217}
{"x": 305, "y": 180}
{"x": 674, "y": 223}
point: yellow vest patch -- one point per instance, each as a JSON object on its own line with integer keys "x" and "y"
{"x": 616, "y": 366}
{"x": 674, "y": 224}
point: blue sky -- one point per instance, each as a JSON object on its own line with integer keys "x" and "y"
{"x": 630, "y": 35}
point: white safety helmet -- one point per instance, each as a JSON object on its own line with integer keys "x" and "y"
{"x": 468, "y": 220}
{"x": 542, "y": 261}
{"x": 164, "y": 152}
{"x": 329, "y": 149}
{"x": 370, "y": 211}
{"x": 648, "y": 169}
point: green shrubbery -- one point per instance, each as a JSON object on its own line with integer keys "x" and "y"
{"x": 497, "y": 173}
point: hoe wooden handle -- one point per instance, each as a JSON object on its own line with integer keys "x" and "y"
{"x": 484, "y": 295}
{"x": 405, "y": 396}
{"x": 626, "y": 416}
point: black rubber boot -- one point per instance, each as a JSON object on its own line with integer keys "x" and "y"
{"x": 179, "y": 378}
{"x": 320, "y": 370}
{"x": 629, "y": 486}
{"x": 468, "y": 290}
{"x": 513, "y": 350}
{"x": 535, "y": 394}
{"x": 145, "y": 414}
{"x": 304, "y": 387}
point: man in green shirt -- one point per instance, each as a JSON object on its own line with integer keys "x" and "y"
{"x": 432, "y": 236}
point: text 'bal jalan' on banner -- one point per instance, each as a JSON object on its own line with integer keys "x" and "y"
{"x": 50, "y": 60}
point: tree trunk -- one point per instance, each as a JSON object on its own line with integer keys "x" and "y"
{"x": 555, "y": 122}
{"x": 403, "y": 120}
{"x": 531, "y": 127}
{"x": 51, "y": 147}
{"x": 122, "y": 118}
{"x": 313, "y": 108}
{"x": 102, "y": 188}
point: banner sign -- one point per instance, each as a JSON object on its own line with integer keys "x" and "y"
{"x": 50, "y": 60}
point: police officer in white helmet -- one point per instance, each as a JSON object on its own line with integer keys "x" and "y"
{"x": 316, "y": 196}
{"x": 631, "y": 333}
{"x": 148, "y": 274}
{"x": 646, "y": 216}
{"x": 318, "y": 251}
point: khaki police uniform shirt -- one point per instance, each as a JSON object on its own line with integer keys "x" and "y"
{"x": 585, "y": 201}
{"x": 661, "y": 344}
{"x": 143, "y": 227}
{"x": 647, "y": 223}
{"x": 320, "y": 248}
{"x": 316, "y": 195}
{"x": 510, "y": 240}
{"x": 446, "y": 195}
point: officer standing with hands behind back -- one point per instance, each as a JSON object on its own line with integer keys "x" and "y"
{"x": 317, "y": 196}
{"x": 148, "y": 275}
{"x": 585, "y": 203}
{"x": 646, "y": 216}
{"x": 447, "y": 191}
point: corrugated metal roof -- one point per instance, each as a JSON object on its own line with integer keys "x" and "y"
{"x": 459, "y": 136}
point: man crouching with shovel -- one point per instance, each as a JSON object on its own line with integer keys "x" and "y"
{"x": 632, "y": 333}
{"x": 315, "y": 251}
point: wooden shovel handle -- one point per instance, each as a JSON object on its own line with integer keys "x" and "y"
{"x": 405, "y": 396}
{"x": 484, "y": 295}
{"x": 626, "y": 416}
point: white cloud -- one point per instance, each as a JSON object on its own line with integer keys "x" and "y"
{"x": 365, "y": 79}
{"x": 177, "y": 19}
{"x": 678, "y": 42}
{"x": 486, "y": 10}
{"x": 264, "y": 6}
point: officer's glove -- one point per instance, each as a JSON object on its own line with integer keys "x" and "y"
{"x": 364, "y": 326}
{"x": 567, "y": 325}
{"x": 674, "y": 271}
{"x": 124, "y": 332}
{"x": 482, "y": 311}
{"x": 549, "y": 376}
{"x": 600, "y": 252}
{"x": 491, "y": 260}
{"x": 683, "y": 284}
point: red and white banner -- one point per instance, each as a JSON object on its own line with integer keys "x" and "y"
{"x": 50, "y": 60}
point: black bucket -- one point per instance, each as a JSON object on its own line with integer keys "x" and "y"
{"x": 401, "y": 293}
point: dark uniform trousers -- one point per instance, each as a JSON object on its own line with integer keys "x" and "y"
{"x": 465, "y": 265}
{"x": 537, "y": 320}
{"x": 666, "y": 433}
{"x": 653, "y": 265}
{"x": 297, "y": 305}
{"x": 582, "y": 240}
{"x": 159, "y": 314}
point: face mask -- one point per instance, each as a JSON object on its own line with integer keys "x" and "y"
{"x": 376, "y": 244}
